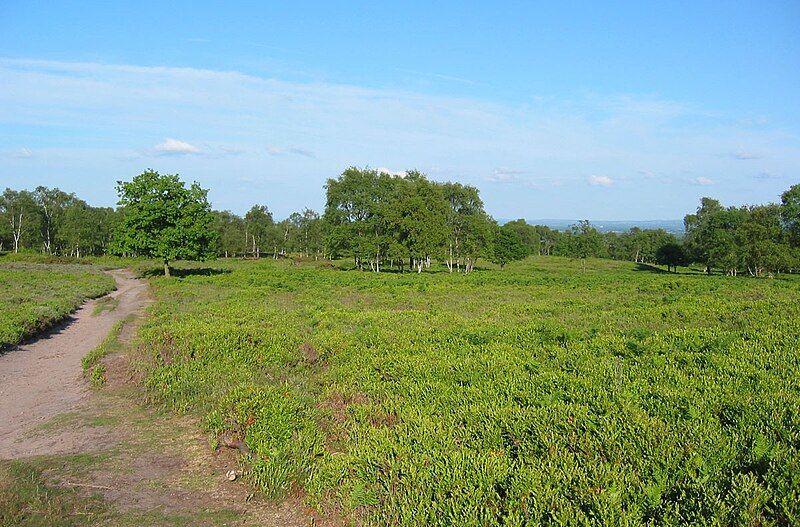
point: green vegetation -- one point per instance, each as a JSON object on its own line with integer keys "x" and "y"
{"x": 25, "y": 500}
{"x": 163, "y": 219}
{"x": 35, "y": 296}
{"x": 539, "y": 394}
{"x": 55, "y": 222}
{"x": 383, "y": 222}
{"x": 107, "y": 303}
{"x": 92, "y": 368}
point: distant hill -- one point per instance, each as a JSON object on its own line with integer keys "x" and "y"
{"x": 673, "y": 226}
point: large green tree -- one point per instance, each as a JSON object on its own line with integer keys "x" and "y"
{"x": 507, "y": 246}
{"x": 672, "y": 255}
{"x": 163, "y": 218}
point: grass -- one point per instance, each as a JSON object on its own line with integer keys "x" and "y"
{"x": 36, "y": 296}
{"x": 26, "y": 501}
{"x": 534, "y": 395}
{"x": 92, "y": 367}
{"x": 106, "y": 303}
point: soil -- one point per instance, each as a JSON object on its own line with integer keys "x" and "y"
{"x": 145, "y": 465}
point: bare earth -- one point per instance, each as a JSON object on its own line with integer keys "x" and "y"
{"x": 148, "y": 467}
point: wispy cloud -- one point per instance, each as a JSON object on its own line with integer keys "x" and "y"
{"x": 766, "y": 175}
{"x": 175, "y": 147}
{"x": 505, "y": 175}
{"x": 315, "y": 130}
{"x": 601, "y": 181}
{"x": 743, "y": 155}
{"x": 702, "y": 180}
{"x": 279, "y": 151}
{"x": 22, "y": 153}
{"x": 439, "y": 76}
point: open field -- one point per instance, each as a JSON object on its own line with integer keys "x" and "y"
{"x": 536, "y": 394}
{"x": 34, "y": 296}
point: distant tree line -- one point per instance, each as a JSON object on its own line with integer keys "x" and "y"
{"x": 54, "y": 222}
{"x": 389, "y": 222}
{"x": 754, "y": 239}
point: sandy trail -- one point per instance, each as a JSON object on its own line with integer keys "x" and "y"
{"x": 42, "y": 379}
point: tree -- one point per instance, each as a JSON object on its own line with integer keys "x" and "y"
{"x": 527, "y": 234}
{"x": 416, "y": 214}
{"x": 582, "y": 241}
{"x": 701, "y": 236}
{"x": 20, "y": 212}
{"x": 231, "y": 233}
{"x": 507, "y": 246}
{"x": 162, "y": 218}
{"x": 548, "y": 239}
{"x": 51, "y": 205}
{"x": 260, "y": 230}
{"x": 671, "y": 255}
{"x": 304, "y": 232}
{"x": 790, "y": 213}
{"x": 467, "y": 225}
{"x": 760, "y": 241}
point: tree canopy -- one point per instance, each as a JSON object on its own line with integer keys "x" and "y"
{"x": 385, "y": 222}
{"x": 164, "y": 219}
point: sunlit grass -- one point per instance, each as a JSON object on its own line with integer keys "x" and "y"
{"x": 34, "y": 296}
{"x": 536, "y": 394}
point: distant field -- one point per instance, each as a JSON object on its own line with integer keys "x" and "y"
{"x": 537, "y": 394}
{"x": 33, "y": 296}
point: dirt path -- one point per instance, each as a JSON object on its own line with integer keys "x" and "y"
{"x": 42, "y": 379}
{"x": 108, "y": 458}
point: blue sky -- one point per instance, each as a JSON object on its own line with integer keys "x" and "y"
{"x": 556, "y": 110}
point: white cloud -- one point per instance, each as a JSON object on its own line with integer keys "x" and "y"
{"x": 384, "y": 170}
{"x": 176, "y": 147}
{"x": 703, "y": 181}
{"x": 601, "y": 181}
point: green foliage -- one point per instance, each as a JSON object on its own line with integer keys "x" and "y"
{"x": 672, "y": 255}
{"x": 790, "y": 213}
{"x": 756, "y": 238}
{"x": 536, "y": 395}
{"x": 93, "y": 369}
{"x": 97, "y": 377}
{"x": 277, "y": 428}
{"x": 53, "y": 222}
{"x": 33, "y": 296}
{"x": 26, "y": 500}
{"x": 376, "y": 218}
{"x": 163, "y": 219}
{"x": 507, "y": 246}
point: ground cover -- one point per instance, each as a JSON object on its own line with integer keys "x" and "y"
{"x": 535, "y": 394}
{"x": 35, "y": 296}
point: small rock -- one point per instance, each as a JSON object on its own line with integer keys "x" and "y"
{"x": 231, "y": 475}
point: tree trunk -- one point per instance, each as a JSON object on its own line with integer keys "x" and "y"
{"x": 167, "y": 272}
{"x": 16, "y": 230}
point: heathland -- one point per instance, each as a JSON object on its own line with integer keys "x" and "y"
{"x": 536, "y": 394}
{"x": 34, "y": 296}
